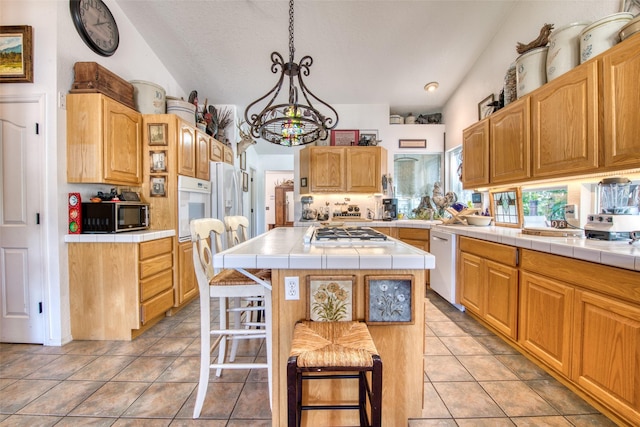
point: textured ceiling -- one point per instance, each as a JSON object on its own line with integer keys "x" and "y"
{"x": 364, "y": 52}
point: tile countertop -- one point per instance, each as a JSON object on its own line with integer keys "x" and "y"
{"x": 615, "y": 253}
{"x": 125, "y": 237}
{"x": 284, "y": 248}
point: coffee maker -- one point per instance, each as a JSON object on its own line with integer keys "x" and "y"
{"x": 389, "y": 209}
{"x": 308, "y": 214}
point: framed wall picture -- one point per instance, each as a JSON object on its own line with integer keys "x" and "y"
{"x": 158, "y": 133}
{"x": 330, "y": 298}
{"x": 157, "y": 161}
{"x": 245, "y": 182}
{"x": 506, "y": 207}
{"x": 158, "y": 186}
{"x": 484, "y": 109}
{"x": 16, "y": 65}
{"x": 243, "y": 161}
{"x": 412, "y": 143}
{"x": 388, "y": 299}
{"x": 342, "y": 137}
{"x": 368, "y": 137}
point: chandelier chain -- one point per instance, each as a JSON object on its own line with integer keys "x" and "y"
{"x": 291, "y": 48}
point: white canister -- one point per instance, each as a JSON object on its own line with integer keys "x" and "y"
{"x": 396, "y": 119}
{"x": 564, "y": 49}
{"x": 602, "y": 35}
{"x": 531, "y": 70}
{"x": 183, "y": 109}
{"x": 149, "y": 98}
{"x": 410, "y": 119}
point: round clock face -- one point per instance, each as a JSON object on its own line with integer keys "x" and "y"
{"x": 73, "y": 200}
{"x": 96, "y": 25}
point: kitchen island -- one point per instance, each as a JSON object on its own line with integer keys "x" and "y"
{"x": 401, "y": 345}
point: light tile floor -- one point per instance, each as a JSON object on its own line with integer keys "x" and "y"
{"x": 472, "y": 378}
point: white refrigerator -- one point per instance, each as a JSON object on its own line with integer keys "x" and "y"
{"x": 226, "y": 190}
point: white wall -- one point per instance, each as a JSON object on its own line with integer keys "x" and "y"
{"x": 522, "y": 25}
{"x": 57, "y": 46}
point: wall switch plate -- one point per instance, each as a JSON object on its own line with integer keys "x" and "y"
{"x": 62, "y": 101}
{"x": 291, "y": 288}
{"x": 570, "y": 212}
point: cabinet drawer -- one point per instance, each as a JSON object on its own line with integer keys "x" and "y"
{"x": 155, "y": 248}
{"x": 156, "y": 284}
{"x": 507, "y": 255}
{"x": 155, "y": 265}
{"x": 156, "y": 306}
{"x": 413, "y": 234}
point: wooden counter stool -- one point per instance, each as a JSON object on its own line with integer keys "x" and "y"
{"x": 343, "y": 350}
{"x": 224, "y": 284}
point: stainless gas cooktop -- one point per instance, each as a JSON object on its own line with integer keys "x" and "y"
{"x": 347, "y": 235}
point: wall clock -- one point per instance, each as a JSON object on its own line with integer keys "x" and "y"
{"x": 96, "y": 25}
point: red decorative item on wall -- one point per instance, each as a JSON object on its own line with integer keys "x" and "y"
{"x": 75, "y": 213}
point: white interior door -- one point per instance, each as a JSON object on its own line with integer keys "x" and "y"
{"x": 21, "y": 263}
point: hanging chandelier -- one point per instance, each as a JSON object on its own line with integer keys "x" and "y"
{"x": 291, "y": 122}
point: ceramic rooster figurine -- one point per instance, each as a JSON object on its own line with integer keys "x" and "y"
{"x": 542, "y": 40}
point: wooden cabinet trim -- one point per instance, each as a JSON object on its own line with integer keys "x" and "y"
{"x": 613, "y": 281}
{"x": 414, "y": 233}
{"x": 503, "y": 254}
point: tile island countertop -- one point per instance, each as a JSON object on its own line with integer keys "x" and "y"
{"x": 618, "y": 253}
{"x": 284, "y": 248}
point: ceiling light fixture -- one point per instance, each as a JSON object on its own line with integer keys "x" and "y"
{"x": 290, "y": 123}
{"x": 431, "y": 87}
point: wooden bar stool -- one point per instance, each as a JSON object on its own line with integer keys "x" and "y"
{"x": 345, "y": 347}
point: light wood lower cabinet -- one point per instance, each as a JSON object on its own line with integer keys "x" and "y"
{"x": 546, "y": 307}
{"x": 583, "y": 321}
{"x": 117, "y": 290}
{"x": 156, "y": 278}
{"x": 488, "y": 281}
{"x": 187, "y": 287}
{"x": 606, "y": 351}
{"x": 418, "y": 238}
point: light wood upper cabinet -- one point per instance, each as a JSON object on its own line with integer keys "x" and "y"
{"x": 475, "y": 155}
{"x": 202, "y": 155}
{"x": 564, "y": 117}
{"x": 186, "y": 149}
{"x": 510, "y": 143}
{"x": 343, "y": 169}
{"x": 104, "y": 143}
{"x": 216, "y": 152}
{"x": 364, "y": 169}
{"x": 227, "y": 154}
{"x": 621, "y": 85}
{"x": 323, "y": 168}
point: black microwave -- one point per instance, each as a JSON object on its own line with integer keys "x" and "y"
{"x": 114, "y": 217}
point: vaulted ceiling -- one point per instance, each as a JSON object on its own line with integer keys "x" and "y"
{"x": 364, "y": 52}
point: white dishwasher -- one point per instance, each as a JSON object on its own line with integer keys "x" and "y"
{"x": 443, "y": 277}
